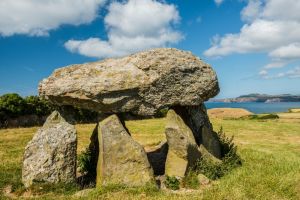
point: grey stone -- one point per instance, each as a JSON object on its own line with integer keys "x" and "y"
{"x": 50, "y": 156}
{"x": 203, "y": 180}
{"x": 141, "y": 83}
{"x": 183, "y": 149}
{"x": 206, "y": 155}
{"x": 121, "y": 159}
{"x": 197, "y": 120}
{"x": 210, "y": 141}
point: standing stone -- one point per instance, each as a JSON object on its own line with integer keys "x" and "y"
{"x": 50, "y": 156}
{"x": 197, "y": 120}
{"x": 183, "y": 150}
{"x": 210, "y": 140}
{"x": 121, "y": 159}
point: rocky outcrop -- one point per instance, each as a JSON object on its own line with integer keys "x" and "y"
{"x": 141, "y": 84}
{"x": 183, "y": 149}
{"x": 121, "y": 159}
{"x": 51, "y": 154}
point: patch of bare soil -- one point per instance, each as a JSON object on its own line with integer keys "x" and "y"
{"x": 8, "y": 192}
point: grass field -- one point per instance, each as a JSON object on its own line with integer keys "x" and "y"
{"x": 270, "y": 150}
{"x": 295, "y": 110}
{"x": 228, "y": 113}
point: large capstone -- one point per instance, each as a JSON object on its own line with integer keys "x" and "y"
{"x": 121, "y": 159}
{"x": 141, "y": 83}
{"x": 183, "y": 149}
{"x": 50, "y": 157}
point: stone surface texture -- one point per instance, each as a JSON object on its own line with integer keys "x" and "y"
{"x": 141, "y": 83}
{"x": 121, "y": 159}
{"x": 197, "y": 120}
{"x": 203, "y": 180}
{"x": 50, "y": 156}
{"x": 210, "y": 140}
{"x": 183, "y": 149}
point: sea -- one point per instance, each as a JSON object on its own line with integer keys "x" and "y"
{"x": 256, "y": 107}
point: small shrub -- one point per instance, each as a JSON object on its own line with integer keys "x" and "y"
{"x": 208, "y": 168}
{"x": 263, "y": 116}
{"x": 230, "y": 159}
{"x": 162, "y": 113}
{"x": 191, "y": 180}
{"x": 172, "y": 183}
{"x": 227, "y": 145}
{"x": 85, "y": 162}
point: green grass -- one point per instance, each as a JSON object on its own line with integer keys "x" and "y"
{"x": 262, "y": 117}
{"x": 270, "y": 151}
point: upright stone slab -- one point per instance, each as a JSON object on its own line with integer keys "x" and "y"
{"x": 183, "y": 149}
{"x": 121, "y": 159}
{"x": 210, "y": 140}
{"x": 197, "y": 120}
{"x": 50, "y": 156}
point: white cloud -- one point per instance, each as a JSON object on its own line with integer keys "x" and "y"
{"x": 132, "y": 26}
{"x": 277, "y": 63}
{"x": 282, "y": 10}
{"x": 218, "y": 2}
{"x": 263, "y": 73}
{"x": 260, "y": 36}
{"x": 252, "y": 10}
{"x": 289, "y": 52}
{"x": 271, "y": 26}
{"x": 37, "y": 18}
{"x": 293, "y": 73}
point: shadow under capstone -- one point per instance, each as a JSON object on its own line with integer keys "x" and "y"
{"x": 157, "y": 159}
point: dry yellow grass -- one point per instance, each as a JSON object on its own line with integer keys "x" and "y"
{"x": 289, "y": 115}
{"x": 270, "y": 150}
{"x": 295, "y": 110}
{"x": 139, "y": 130}
{"x": 229, "y": 113}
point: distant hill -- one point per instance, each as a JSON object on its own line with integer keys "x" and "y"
{"x": 265, "y": 98}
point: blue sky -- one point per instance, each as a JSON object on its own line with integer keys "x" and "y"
{"x": 252, "y": 44}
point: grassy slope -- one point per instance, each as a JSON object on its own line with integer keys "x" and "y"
{"x": 270, "y": 149}
{"x": 295, "y": 110}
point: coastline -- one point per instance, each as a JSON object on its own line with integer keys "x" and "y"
{"x": 256, "y": 107}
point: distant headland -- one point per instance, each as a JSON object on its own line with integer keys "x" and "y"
{"x": 264, "y": 98}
